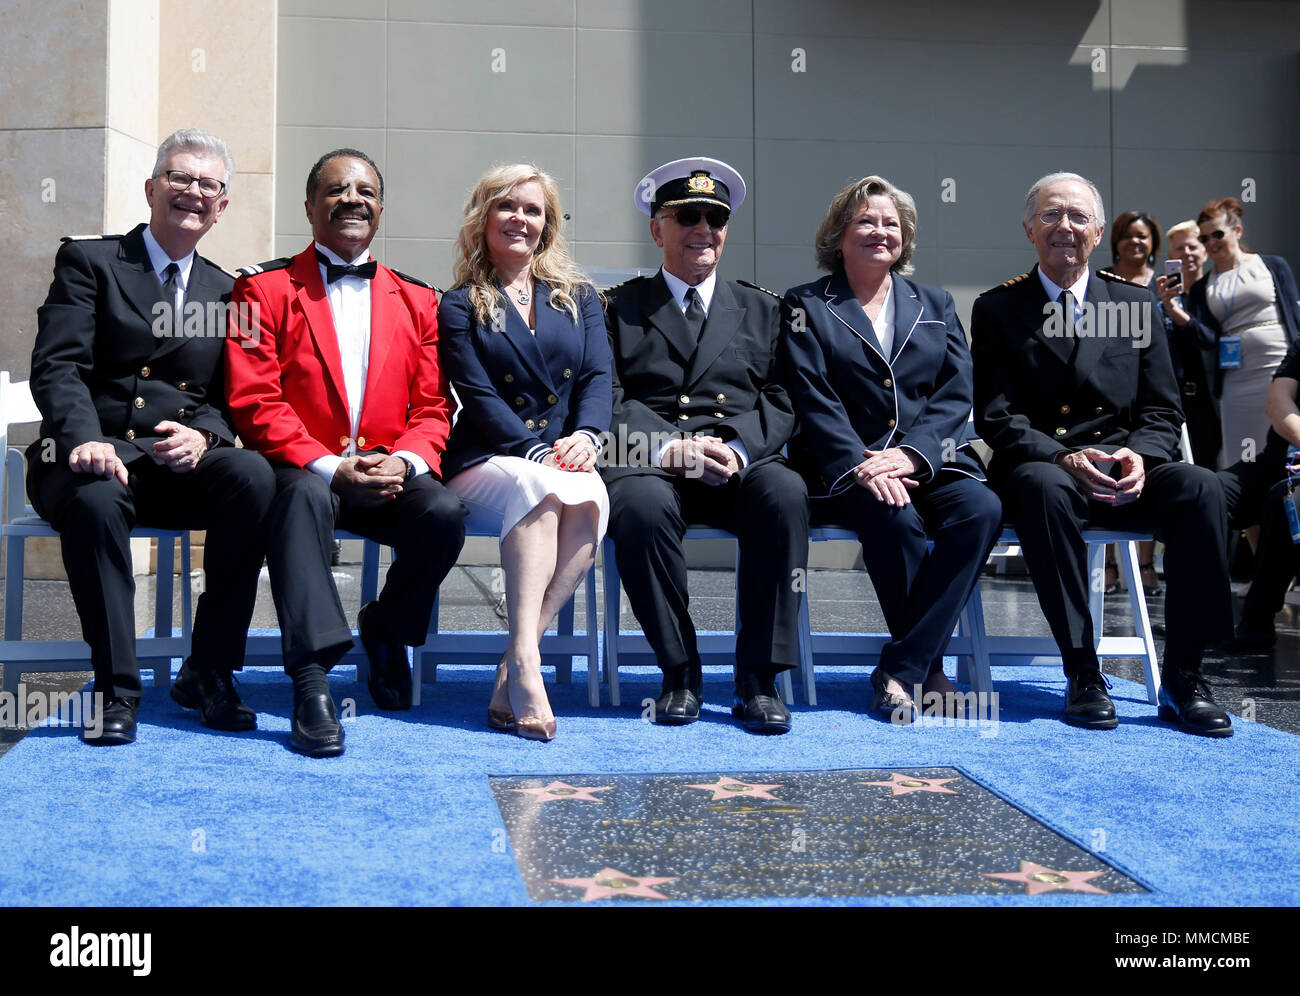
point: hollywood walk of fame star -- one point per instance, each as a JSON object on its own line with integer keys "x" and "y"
{"x": 610, "y": 882}
{"x": 727, "y": 787}
{"x": 903, "y": 784}
{"x": 556, "y": 791}
{"x": 1038, "y": 878}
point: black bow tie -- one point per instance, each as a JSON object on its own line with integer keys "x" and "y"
{"x": 337, "y": 271}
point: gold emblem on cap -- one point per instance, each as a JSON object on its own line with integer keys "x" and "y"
{"x": 700, "y": 183}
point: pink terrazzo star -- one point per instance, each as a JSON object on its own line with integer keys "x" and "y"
{"x": 610, "y": 882}
{"x": 903, "y": 784}
{"x": 1039, "y": 879}
{"x": 727, "y": 787}
{"x": 557, "y": 791}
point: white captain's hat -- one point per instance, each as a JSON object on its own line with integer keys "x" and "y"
{"x": 698, "y": 180}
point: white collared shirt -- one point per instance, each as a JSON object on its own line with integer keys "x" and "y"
{"x": 159, "y": 260}
{"x": 678, "y": 288}
{"x": 884, "y": 322}
{"x": 349, "y": 299}
{"x": 1079, "y": 288}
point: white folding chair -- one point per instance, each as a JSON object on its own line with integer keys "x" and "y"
{"x": 21, "y": 523}
{"x": 975, "y": 649}
{"x": 630, "y": 649}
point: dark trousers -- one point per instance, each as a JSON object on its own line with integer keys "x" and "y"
{"x": 766, "y": 507}
{"x": 425, "y": 526}
{"x": 228, "y": 493}
{"x": 1277, "y": 561}
{"x": 921, "y": 591}
{"x": 1181, "y": 505}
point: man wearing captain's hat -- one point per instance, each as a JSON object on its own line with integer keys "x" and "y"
{"x": 700, "y": 418}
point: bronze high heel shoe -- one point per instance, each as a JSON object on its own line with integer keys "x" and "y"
{"x": 527, "y": 727}
{"x": 500, "y": 719}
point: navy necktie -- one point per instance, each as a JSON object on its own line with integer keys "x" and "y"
{"x": 694, "y": 312}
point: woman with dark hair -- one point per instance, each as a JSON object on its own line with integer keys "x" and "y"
{"x": 880, "y": 377}
{"x": 1134, "y": 245}
{"x": 523, "y": 341}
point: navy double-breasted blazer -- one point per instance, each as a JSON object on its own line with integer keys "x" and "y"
{"x": 1040, "y": 394}
{"x": 849, "y": 396}
{"x": 102, "y": 368}
{"x": 519, "y": 391}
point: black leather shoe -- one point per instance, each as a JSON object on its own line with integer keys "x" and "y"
{"x": 1186, "y": 699}
{"x": 679, "y": 698}
{"x": 1086, "y": 703}
{"x": 390, "y": 673}
{"x": 758, "y": 705}
{"x": 316, "y": 731}
{"x": 116, "y": 723}
{"x": 213, "y": 694}
{"x": 898, "y": 709}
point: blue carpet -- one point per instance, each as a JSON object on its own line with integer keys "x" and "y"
{"x": 407, "y": 815}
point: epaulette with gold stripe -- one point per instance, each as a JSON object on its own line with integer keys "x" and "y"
{"x": 1115, "y": 278}
{"x": 1008, "y": 283}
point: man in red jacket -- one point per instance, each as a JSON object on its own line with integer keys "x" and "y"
{"x": 334, "y": 377}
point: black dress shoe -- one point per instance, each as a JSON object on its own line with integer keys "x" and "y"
{"x": 116, "y": 724}
{"x": 679, "y": 698}
{"x": 213, "y": 694}
{"x": 316, "y": 731}
{"x": 1086, "y": 703}
{"x": 898, "y": 709}
{"x": 758, "y": 705}
{"x": 1186, "y": 699}
{"x": 390, "y": 673}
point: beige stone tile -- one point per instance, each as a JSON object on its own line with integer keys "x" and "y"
{"x": 132, "y": 72}
{"x": 217, "y": 72}
{"x": 54, "y": 57}
{"x": 244, "y": 234}
{"x": 127, "y": 164}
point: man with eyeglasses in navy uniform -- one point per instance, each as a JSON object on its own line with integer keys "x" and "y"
{"x": 1084, "y": 421}
{"x": 700, "y": 419}
{"x": 127, "y": 372}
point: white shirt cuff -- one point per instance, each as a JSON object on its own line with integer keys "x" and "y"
{"x": 741, "y": 452}
{"x": 416, "y": 461}
{"x": 325, "y": 466}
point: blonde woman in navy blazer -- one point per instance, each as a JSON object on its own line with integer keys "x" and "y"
{"x": 880, "y": 377}
{"x": 523, "y": 340}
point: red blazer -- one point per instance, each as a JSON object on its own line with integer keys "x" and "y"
{"x": 284, "y": 377}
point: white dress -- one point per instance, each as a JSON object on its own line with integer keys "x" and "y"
{"x": 503, "y": 489}
{"x": 1244, "y": 301}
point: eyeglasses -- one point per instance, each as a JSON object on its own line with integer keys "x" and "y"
{"x": 1053, "y": 216}
{"x": 1218, "y": 233}
{"x": 209, "y": 186}
{"x": 689, "y": 217}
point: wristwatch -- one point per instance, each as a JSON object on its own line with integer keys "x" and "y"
{"x": 410, "y": 469}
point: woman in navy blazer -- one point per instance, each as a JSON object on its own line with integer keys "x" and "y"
{"x": 880, "y": 377}
{"x": 522, "y": 337}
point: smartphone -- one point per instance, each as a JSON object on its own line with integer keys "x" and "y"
{"x": 1173, "y": 272}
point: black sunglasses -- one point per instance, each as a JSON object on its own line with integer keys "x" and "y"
{"x": 689, "y": 217}
{"x": 1218, "y": 233}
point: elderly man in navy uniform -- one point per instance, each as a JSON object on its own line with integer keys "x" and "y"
{"x": 135, "y": 430}
{"x": 700, "y": 419}
{"x": 1084, "y": 423}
